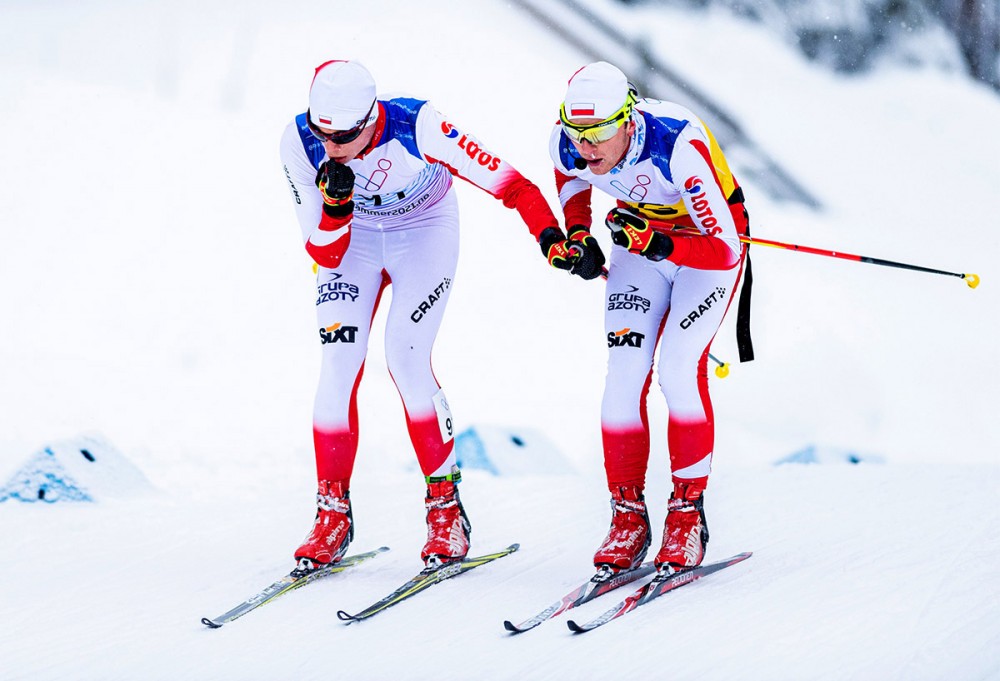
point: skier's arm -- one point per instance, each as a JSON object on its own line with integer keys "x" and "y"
{"x": 464, "y": 156}
{"x": 717, "y": 247}
{"x": 325, "y": 221}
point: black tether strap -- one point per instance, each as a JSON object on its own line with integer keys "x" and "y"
{"x": 743, "y": 341}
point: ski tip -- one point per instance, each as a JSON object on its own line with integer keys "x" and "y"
{"x": 574, "y": 627}
{"x": 346, "y": 617}
{"x": 509, "y": 626}
{"x": 211, "y": 624}
{"x": 382, "y": 549}
{"x": 513, "y": 547}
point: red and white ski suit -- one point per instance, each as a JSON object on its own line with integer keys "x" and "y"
{"x": 404, "y": 233}
{"x": 673, "y": 173}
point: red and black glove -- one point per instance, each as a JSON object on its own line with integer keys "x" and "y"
{"x": 634, "y": 233}
{"x": 336, "y": 186}
{"x": 555, "y": 248}
{"x": 329, "y": 241}
{"x": 590, "y": 260}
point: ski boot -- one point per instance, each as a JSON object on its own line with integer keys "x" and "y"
{"x": 629, "y": 536}
{"x": 332, "y": 530}
{"x": 685, "y": 531}
{"x": 448, "y": 527}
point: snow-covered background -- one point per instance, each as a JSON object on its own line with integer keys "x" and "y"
{"x": 156, "y": 292}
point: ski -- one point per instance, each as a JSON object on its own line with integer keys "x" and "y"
{"x": 427, "y": 578}
{"x": 293, "y": 580}
{"x": 598, "y": 585}
{"x": 660, "y": 585}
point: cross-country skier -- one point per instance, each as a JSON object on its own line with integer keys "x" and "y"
{"x": 371, "y": 180}
{"x": 674, "y": 265}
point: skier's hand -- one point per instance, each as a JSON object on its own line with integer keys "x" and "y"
{"x": 634, "y": 233}
{"x": 329, "y": 241}
{"x": 589, "y": 261}
{"x": 556, "y": 248}
{"x": 336, "y": 185}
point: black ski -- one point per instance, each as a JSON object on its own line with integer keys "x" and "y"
{"x": 293, "y": 580}
{"x": 660, "y": 585}
{"x": 427, "y": 578}
{"x": 598, "y": 585}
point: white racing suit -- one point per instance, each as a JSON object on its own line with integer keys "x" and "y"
{"x": 675, "y": 175}
{"x": 404, "y": 233}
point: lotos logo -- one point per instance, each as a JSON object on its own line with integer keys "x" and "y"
{"x": 693, "y": 184}
{"x": 699, "y": 204}
{"x": 471, "y": 147}
{"x": 625, "y": 337}
{"x": 338, "y": 334}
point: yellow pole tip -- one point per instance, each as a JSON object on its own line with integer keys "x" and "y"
{"x": 722, "y": 370}
{"x": 971, "y": 279}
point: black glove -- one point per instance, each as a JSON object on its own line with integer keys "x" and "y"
{"x": 634, "y": 233}
{"x": 336, "y": 186}
{"x": 589, "y": 262}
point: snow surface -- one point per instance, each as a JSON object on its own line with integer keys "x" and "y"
{"x": 156, "y": 292}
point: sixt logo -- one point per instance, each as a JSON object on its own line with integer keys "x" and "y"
{"x": 471, "y": 147}
{"x": 699, "y": 204}
{"x": 625, "y": 337}
{"x": 338, "y": 334}
{"x": 426, "y": 305}
{"x": 712, "y": 298}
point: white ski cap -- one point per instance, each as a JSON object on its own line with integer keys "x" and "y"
{"x": 341, "y": 95}
{"x": 597, "y": 90}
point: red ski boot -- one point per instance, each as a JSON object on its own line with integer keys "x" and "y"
{"x": 333, "y": 529}
{"x": 448, "y": 527}
{"x": 628, "y": 539}
{"x": 685, "y": 532}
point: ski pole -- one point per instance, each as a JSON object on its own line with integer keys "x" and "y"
{"x": 971, "y": 279}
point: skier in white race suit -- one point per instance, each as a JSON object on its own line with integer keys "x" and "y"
{"x": 675, "y": 262}
{"x": 371, "y": 183}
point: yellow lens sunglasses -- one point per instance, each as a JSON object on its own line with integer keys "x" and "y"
{"x": 602, "y": 131}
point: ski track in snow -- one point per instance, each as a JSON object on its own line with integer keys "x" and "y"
{"x": 158, "y": 293}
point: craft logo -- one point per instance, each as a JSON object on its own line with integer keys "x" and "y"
{"x": 628, "y": 301}
{"x": 625, "y": 337}
{"x": 338, "y": 334}
{"x": 295, "y": 191}
{"x": 426, "y": 305}
{"x": 334, "y": 290}
{"x": 699, "y": 204}
{"x": 712, "y": 298}
{"x": 470, "y": 147}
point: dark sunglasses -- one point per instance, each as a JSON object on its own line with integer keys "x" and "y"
{"x": 340, "y": 136}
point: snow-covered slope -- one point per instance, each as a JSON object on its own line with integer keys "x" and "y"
{"x": 157, "y": 292}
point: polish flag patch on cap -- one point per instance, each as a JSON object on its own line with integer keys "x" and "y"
{"x": 341, "y": 95}
{"x": 597, "y": 90}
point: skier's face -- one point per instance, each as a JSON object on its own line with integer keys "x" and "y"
{"x": 601, "y": 157}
